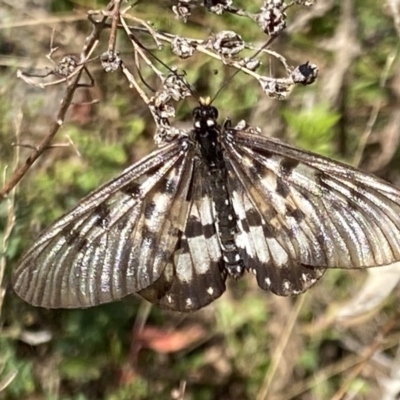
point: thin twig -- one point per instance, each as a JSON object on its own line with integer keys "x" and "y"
{"x": 21, "y": 171}
{"x": 133, "y": 83}
{"x": 114, "y": 24}
{"x": 90, "y": 44}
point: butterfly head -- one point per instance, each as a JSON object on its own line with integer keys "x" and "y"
{"x": 205, "y": 115}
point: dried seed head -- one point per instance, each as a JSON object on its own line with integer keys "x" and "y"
{"x": 110, "y": 61}
{"x": 176, "y": 86}
{"x": 305, "y": 74}
{"x": 166, "y": 133}
{"x": 275, "y": 88}
{"x": 228, "y": 43}
{"x": 182, "y": 10}
{"x": 182, "y": 47}
{"x": 218, "y": 6}
{"x": 66, "y": 66}
{"x": 271, "y": 19}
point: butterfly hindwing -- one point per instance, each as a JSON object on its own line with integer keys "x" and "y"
{"x": 267, "y": 246}
{"x": 196, "y": 275}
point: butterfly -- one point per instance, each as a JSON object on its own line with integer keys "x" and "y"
{"x": 210, "y": 204}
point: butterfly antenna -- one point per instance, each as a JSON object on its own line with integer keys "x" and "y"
{"x": 225, "y": 84}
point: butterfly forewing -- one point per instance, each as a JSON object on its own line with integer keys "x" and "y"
{"x": 116, "y": 242}
{"x": 338, "y": 216}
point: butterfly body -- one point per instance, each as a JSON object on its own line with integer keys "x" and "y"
{"x": 207, "y": 135}
{"x": 206, "y": 205}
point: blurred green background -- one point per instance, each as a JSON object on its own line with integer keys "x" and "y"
{"x": 248, "y": 344}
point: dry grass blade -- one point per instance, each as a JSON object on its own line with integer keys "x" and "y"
{"x": 280, "y": 348}
{"x": 339, "y": 395}
{"x": 5, "y": 381}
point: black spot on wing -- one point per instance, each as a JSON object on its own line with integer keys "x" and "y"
{"x": 268, "y": 230}
{"x": 168, "y": 185}
{"x": 296, "y": 213}
{"x": 253, "y": 174}
{"x": 131, "y": 189}
{"x": 71, "y": 237}
{"x": 149, "y": 209}
{"x": 171, "y": 186}
{"x": 102, "y": 212}
{"x": 265, "y": 153}
{"x": 179, "y": 242}
{"x": 320, "y": 179}
{"x": 256, "y": 171}
{"x": 259, "y": 168}
{"x": 244, "y": 225}
{"x": 194, "y": 227}
{"x": 191, "y": 190}
{"x": 356, "y": 195}
{"x": 148, "y": 236}
{"x": 288, "y": 165}
{"x": 74, "y": 238}
{"x": 209, "y": 231}
{"x": 282, "y": 188}
{"x": 253, "y": 217}
{"x": 321, "y": 239}
{"x": 121, "y": 224}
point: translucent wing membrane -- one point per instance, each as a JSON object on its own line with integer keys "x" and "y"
{"x": 268, "y": 247}
{"x": 195, "y": 276}
{"x": 209, "y": 205}
{"x": 116, "y": 242}
{"x": 299, "y": 213}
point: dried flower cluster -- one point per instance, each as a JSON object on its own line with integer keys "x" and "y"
{"x": 227, "y": 46}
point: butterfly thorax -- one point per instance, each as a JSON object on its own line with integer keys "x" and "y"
{"x": 207, "y": 134}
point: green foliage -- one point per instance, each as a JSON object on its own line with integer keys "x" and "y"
{"x": 23, "y": 384}
{"x": 139, "y": 389}
{"x": 80, "y": 369}
{"x": 70, "y": 5}
{"x": 313, "y": 129}
{"x": 309, "y": 359}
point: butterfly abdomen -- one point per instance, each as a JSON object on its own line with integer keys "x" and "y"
{"x": 226, "y": 224}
